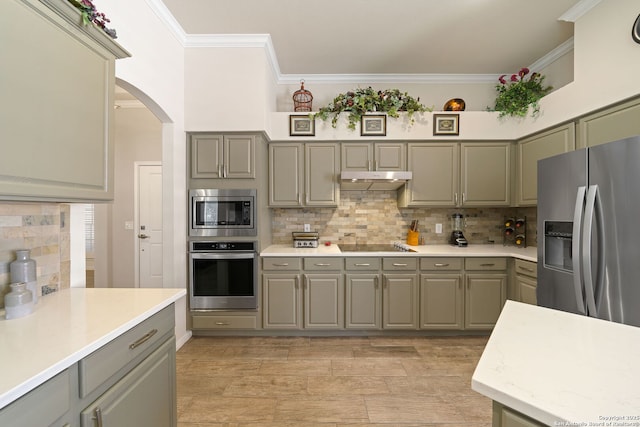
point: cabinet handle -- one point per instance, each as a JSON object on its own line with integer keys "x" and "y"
{"x": 464, "y": 198}
{"x": 321, "y": 264}
{"x": 488, "y": 264}
{"x": 297, "y": 283}
{"x": 369, "y": 165}
{"x": 224, "y": 171}
{"x": 441, "y": 264}
{"x": 300, "y": 199}
{"x": 526, "y": 269}
{"x": 98, "y": 416}
{"x": 220, "y": 171}
{"x": 222, "y": 324}
{"x": 397, "y": 264}
{"x": 282, "y": 264}
{"x": 375, "y": 282}
{"x": 455, "y": 199}
{"x": 375, "y": 165}
{"x": 142, "y": 340}
{"x": 362, "y": 264}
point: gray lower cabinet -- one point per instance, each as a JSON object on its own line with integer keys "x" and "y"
{"x": 400, "y": 293}
{"x": 281, "y": 301}
{"x": 441, "y": 293}
{"x": 506, "y": 417}
{"x": 526, "y": 281}
{"x": 145, "y": 397}
{"x": 47, "y": 405}
{"x": 130, "y": 381}
{"x": 485, "y": 291}
{"x": 363, "y": 291}
{"x": 323, "y": 301}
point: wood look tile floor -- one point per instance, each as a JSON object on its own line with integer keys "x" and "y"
{"x": 330, "y": 382}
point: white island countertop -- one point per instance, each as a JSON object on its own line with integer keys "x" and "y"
{"x": 562, "y": 369}
{"x": 65, "y": 327}
{"x": 528, "y": 254}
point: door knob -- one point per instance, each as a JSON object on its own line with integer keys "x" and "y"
{"x": 143, "y": 236}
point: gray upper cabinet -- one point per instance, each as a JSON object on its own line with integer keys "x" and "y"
{"x": 458, "y": 175}
{"x": 611, "y": 124}
{"x": 537, "y": 147}
{"x": 435, "y": 168}
{"x": 485, "y": 178}
{"x": 384, "y": 156}
{"x": 222, "y": 156}
{"x": 303, "y": 174}
{"x": 56, "y": 120}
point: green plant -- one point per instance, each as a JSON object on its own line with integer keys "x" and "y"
{"x": 90, "y": 14}
{"x": 518, "y": 93}
{"x": 360, "y": 101}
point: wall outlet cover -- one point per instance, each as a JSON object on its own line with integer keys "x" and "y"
{"x": 438, "y": 228}
{"x": 307, "y": 227}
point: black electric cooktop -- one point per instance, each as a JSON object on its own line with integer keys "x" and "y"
{"x": 383, "y": 247}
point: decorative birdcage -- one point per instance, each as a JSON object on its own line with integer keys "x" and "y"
{"x": 302, "y": 99}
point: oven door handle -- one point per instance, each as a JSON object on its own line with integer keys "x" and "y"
{"x": 223, "y": 255}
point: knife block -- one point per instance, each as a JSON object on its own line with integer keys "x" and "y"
{"x": 412, "y": 237}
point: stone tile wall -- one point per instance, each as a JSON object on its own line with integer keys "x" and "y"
{"x": 374, "y": 217}
{"x": 42, "y": 228}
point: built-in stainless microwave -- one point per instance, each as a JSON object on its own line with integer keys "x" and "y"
{"x": 222, "y": 212}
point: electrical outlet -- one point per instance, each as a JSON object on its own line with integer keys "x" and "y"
{"x": 307, "y": 227}
{"x": 438, "y": 228}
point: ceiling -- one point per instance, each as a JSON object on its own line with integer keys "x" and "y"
{"x": 338, "y": 37}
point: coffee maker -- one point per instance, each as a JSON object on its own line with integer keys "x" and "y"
{"x": 457, "y": 224}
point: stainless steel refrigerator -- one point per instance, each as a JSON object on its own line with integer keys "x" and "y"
{"x": 589, "y": 231}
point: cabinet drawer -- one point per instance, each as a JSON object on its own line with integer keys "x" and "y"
{"x": 399, "y": 264}
{"x": 223, "y": 322}
{"x": 441, "y": 264}
{"x": 322, "y": 264}
{"x": 360, "y": 264}
{"x": 485, "y": 264}
{"x": 526, "y": 268}
{"x": 41, "y": 406}
{"x": 281, "y": 264}
{"x": 100, "y": 365}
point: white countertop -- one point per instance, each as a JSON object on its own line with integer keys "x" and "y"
{"x": 65, "y": 327}
{"x": 561, "y": 368}
{"x": 528, "y": 254}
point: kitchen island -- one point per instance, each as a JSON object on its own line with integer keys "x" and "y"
{"x": 561, "y": 369}
{"x": 69, "y": 326}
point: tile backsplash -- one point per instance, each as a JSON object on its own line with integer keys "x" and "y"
{"x": 374, "y": 217}
{"x": 43, "y": 229}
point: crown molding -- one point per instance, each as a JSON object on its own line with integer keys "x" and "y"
{"x": 553, "y": 56}
{"x": 264, "y": 41}
{"x": 578, "y": 9}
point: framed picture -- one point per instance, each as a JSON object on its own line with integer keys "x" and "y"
{"x": 373, "y": 125}
{"x": 301, "y": 125}
{"x": 446, "y": 124}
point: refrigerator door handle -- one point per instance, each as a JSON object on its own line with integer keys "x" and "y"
{"x": 593, "y": 207}
{"x": 576, "y": 241}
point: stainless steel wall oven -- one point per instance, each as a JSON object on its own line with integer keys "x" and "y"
{"x": 223, "y": 275}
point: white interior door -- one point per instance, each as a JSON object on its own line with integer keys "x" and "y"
{"x": 149, "y": 225}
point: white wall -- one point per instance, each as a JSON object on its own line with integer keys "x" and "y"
{"x": 155, "y": 75}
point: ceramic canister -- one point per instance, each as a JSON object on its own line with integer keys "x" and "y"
{"x": 23, "y": 269}
{"x": 18, "y": 302}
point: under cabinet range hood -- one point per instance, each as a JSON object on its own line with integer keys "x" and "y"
{"x": 373, "y": 180}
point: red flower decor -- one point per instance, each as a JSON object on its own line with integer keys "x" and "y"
{"x": 518, "y": 93}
